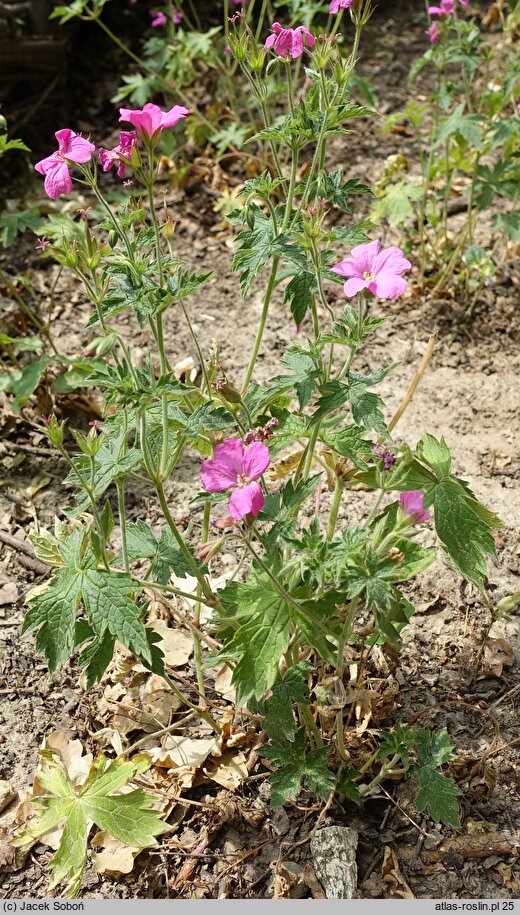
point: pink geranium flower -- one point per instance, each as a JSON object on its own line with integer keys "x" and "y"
{"x": 434, "y": 33}
{"x": 238, "y": 468}
{"x": 289, "y": 42}
{"x": 177, "y": 18}
{"x": 158, "y": 18}
{"x": 412, "y": 503}
{"x": 338, "y": 5}
{"x": 71, "y": 148}
{"x": 378, "y": 271}
{"x": 118, "y": 155}
{"x": 150, "y": 120}
{"x": 445, "y": 9}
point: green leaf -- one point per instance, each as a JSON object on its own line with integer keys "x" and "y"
{"x": 258, "y": 244}
{"x": 129, "y": 817}
{"x": 296, "y": 765}
{"x": 111, "y": 463}
{"x": 279, "y": 718}
{"x": 165, "y": 554}
{"x": 13, "y": 224}
{"x": 53, "y": 614}
{"x": 108, "y": 601}
{"x": 435, "y": 453}
{"x": 259, "y": 643}
{"x": 437, "y": 796}
{"x": 348, "y": 442}
{"x": 460, "y": 125}
{"x": 300, "y": 293}
{"x": 303, "y": 373}
{"x": 465, "y": 537}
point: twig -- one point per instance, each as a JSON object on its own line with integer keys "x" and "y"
{"x": 34, "y": 449}
{"x": 414, "y": 385}
{"x": 27, "y": 558}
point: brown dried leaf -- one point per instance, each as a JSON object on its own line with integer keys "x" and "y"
{"x": 115, "y": 858}
{"x": 230, "y": 771}
{"x": 176, "y": 645}
{"x": 392, "y": 875}
{"x": 497, "y": 654}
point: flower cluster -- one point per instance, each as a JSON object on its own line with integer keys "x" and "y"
{"x": 74, "y": 149}
{"x": 159, "y": 18}
{"x": 384, "y": 454}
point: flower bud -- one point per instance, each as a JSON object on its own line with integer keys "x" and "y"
{"x": 54, "y": 430}
{"x": 112, "y": 238}
{"x": 228, "y": 391}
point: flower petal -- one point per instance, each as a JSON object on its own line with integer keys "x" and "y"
{"x": 246, "y": 499}
{"x": 256, "y": 460}
{"x": 355, "y": 285}
{"x": 57, "y": 180}
{"x": 387, "y": 285}
{"x": 391, "y": 259}
{"x": 44, "y": 165}
{"x": 345, "y": 267}
{"x": 173, "y": 116}
{"x": 79, "y": 150}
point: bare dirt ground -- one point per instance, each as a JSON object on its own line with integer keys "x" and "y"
{"x": 470, "y": 394}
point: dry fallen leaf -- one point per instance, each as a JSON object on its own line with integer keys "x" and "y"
{"x": 392, "y": 875}
{"x": 7, "y": 794}
{"x": 178, "y": 752}
{"x": 40, "y": 481}
{"x": 8, "y": 594}
{"x": 145, "y": 703}
{"x": 115, "y": 858}
{"x": 176, "y": 645}
{"x": 230, "y": 771}
{"x": 497, "y": 654}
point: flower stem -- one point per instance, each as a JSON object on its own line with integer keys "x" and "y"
{"x": 336, "y": 501}
{"x": 263, "y": 318}
{"x": 122, "y": 521}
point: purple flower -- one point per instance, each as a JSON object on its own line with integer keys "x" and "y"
{"x": 289, "y": 42}
{"x": 158, "y": 18}
{"x": 338, "y": 5}
{"x": 433, "y": 33}
{"x": 238, "y": 468}
{"x": 374, "y": 269}
{"x": 445, "y": 9}
{"x": 388, "y": 457}
{"x": 412, "y": 503}
{"x": 177, "y": 18}
{"x": 150, "y": 120}
{"x": 71, "y": 148}
{"x": 118, "y": 155}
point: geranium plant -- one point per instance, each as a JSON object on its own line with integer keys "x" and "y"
{"x": 309, "y": 590}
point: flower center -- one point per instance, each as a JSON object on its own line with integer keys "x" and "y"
{"x": 369, "y": 276}
{"x": 242, "y": 479}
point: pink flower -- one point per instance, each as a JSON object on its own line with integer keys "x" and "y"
{"x": 235, "y": 467}
{"x": 338, "y": 5}
{"x": 378, "y": 271}
{"x": 159, "y": 18}
{"x": 71, "y": 148}
{"x": 117, "y": 155}
{"x": 434, "y": 33}
{"x": 289, "y": 42}
{"x": 227, "y": 51}
{"x": 177, "y": 18}
{"x": 412, "y": 503}
{"x": 150, "y": 120}
{"x": 445, "y": 9}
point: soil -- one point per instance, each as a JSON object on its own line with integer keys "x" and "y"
{"x": 470, "y": 394}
